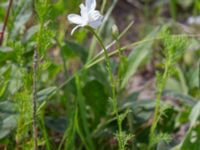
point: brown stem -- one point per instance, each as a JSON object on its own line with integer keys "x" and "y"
{"x": 5, "y": 22}
{"x": 35, "y": 59}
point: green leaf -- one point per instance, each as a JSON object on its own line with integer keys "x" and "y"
{"x": 3, "y": 87}
{"x": 56, "y": 124}
{"x": 138, "y": 55}
{"x": 7, "y": 125}
{"x": 141, "y": 109}
{"x": 71, "y": 49}
{"x": 23, "y": 13}
{"x": 30, "y": 33}
{"x": 173, "y": 85}
{"x": 8, "y": 118}
{"x": 186, "y": 99}
{"x": 45, "y": 93}
{"x": 96, "y": 97}
{"x": 5, "y": 54}
{"x": 193, "y": 134}
{"x": 195, "y": 113}
{"x": 15, "y": 82}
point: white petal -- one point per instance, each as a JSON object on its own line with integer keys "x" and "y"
{"x": 91, "y": 4}
{"x": 75, "y": 28}
{"x": 96, "y": 23}
{"x": 76, "y": 19}
{"x": 95, "y": 19}
{"x": 84, "y": 11}
{"x": 95, "y": 15}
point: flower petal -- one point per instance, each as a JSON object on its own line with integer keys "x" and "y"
{"x": 95, "y": 19}
{"x": 95, "y": 15}
{"x": 96, "y": 23}
{"x": 84, "y": 11}
{"x": 76, "y": 19}
{"x": 91, "y": 4}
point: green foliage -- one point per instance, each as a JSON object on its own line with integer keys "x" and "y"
{"x": 174, "y": 48}
{"x": 138, "y": 56}
{"x": 8, "y": 118}
{"x": 87, "y": 99}
{"x": 98, "y": 97}
{"x": 193, "y": 134}
{"x": 42, "y": 9}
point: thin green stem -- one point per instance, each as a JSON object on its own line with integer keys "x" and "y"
{"x": 106, "y": 16}
{"x": 113, "y": 84}
{"x": 103, "y": 6}
{"x": 173, "y": 9}
{"x": 122, "y": 62}
{"x": 112, "y": 43}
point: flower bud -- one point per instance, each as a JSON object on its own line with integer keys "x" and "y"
{"x": 115, "y": 31}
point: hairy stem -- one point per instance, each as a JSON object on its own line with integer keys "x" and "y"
{"x": 158, "y": 99}
{"x": 5, "y": 22}
{"x": 35, "y": 60}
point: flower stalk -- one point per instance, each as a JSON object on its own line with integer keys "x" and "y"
{"x": 113, "y": 85}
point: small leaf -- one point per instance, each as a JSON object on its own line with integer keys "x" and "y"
{"x": 7, "y": 125}
{"x": 195, "y": 114}
{"x": 43, "y": 94}
{"x": 30, "y": 33}
{"x": 6, "y": 49}
{"x": 8, "y": 118}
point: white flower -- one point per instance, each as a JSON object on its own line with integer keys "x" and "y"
{"x": 89, "y": 16}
